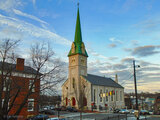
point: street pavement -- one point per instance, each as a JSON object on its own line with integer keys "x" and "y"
{"x": 104, "y": 116}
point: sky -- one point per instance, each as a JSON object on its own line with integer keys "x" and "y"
{"x": 115, "y": 33}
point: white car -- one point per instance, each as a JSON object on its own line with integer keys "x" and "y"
{"x": 56, "y": 118}
{"x": 124, "y": 111}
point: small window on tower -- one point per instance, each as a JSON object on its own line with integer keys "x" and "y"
{"x": 73, "y": 60}
{"x": 83, "y": 48}
{"x": 82, "y": 61}
{"x": 73, "y": 48}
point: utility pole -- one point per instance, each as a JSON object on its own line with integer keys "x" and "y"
{"x": 135, "y": 83}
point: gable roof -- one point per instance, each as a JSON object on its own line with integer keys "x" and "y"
{"x": 27, "y": 69}
{"x": 102, "y": 81}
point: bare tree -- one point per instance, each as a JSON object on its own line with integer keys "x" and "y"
{"x": 42, "y": 60}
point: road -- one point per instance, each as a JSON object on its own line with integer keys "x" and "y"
{"x": 104, "y": 116}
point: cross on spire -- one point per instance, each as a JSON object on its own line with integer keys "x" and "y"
{"x": 78, "y": 4}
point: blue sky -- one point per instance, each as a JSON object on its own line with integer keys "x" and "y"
{"x": 114, "y": 32}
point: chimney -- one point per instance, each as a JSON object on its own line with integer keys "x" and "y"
{"x": 116, "y": 78}
{"x": 20, "y": 64}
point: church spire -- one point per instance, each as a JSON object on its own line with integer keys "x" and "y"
{"x": 78, "y": 46}
{"x": 78, "y": 36}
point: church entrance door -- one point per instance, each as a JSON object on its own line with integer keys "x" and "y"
{"x": 84, "y": 101}
{"x": 73, "y": 101}
{"x": 66, "y": 101}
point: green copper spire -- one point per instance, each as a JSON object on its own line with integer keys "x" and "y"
{"x": 78, "y": 46}
{"x": 78, "y": 36}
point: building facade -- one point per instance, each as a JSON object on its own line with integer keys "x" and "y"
{"x": 21, "y": 80}
{"x": 86, "y": 90}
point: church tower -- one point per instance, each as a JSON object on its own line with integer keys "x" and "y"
{"x": 77, "y": 59}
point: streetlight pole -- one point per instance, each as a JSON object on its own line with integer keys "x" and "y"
{"x": 135, "y": 83}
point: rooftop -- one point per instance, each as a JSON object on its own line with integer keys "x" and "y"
{"x": 102, "y": 81}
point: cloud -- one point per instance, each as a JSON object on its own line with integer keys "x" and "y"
{"x": 115, "y": 40}
{"x": 28, "y": 16}
{"x": 92, "y": 52}
{"x": 134, "y": 42}
{"x": 127, "y": 60}
{"x": 144, "y": 51}
{"x": 127, "y": 49}
{"x": 34, "y": 2}
{"x": 112, "y": 45}
{"x": 113, "y": 58}
{"x": 148, "y": 73}
{"x": 119, "y": 66}
{"x": 9, "y": 5}
{"x": 149, "y": 26}
{"x": 32, "y": 30}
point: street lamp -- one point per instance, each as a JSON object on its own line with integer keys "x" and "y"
{"x": 135, "y": 84}
{"x": 142, "y": 98}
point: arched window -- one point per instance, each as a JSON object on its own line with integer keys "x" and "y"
{"x": 73, "y": 83}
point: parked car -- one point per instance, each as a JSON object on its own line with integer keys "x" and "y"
{"x": 116, "y": 111}
{"x": 39, "y": 117}
{"x": 63, "y": 108}
{"x": 56, "y": 118}
{"x": 48, "y": 112}
{"x": 52, "y": 107}
{"x": 71, "y": 109}
{"x": 124, "y": 111}
{"x": 58, "y": 109}
{"x": 132, "y": 111}
{"x": 151, "y": 112}
{"x": 144, "y": 112}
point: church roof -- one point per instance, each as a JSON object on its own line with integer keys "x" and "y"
{"x": 101, "y": 81}
{"x": 78, "y": 44}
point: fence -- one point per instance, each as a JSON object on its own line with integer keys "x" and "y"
{"x": 126, "y": 117}
{"x": 116, "y": 117}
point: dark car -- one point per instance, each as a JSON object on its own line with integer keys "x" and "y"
{"x": 144, "y": 112}
{"x": 71, "y": 109}
{"x": 38, "y": 117}
{"x": 48, "y": 112}
{"x": 63, "y": 108}
{"x": 116, "y": 111}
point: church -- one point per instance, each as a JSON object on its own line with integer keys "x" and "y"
{"x": 87, "y": 91}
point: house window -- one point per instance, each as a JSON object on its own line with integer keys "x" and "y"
{"x": 73, "y": 83}
{"x": 106, "y": 95}
{"x": 6, "y": 83}
{"x": 116, "y": 95}
{"x": 31, "y": 82}
{"x": 120, "y": 95}
{"x": 101, "y": 95}
{"x": 111, "y": 97}
{"x": 94, "y": 95}
{"x": 30, "y": 104}
{"x": 2, "y": 102}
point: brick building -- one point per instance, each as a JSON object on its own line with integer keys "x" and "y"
{"x": 24, "y": 81}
